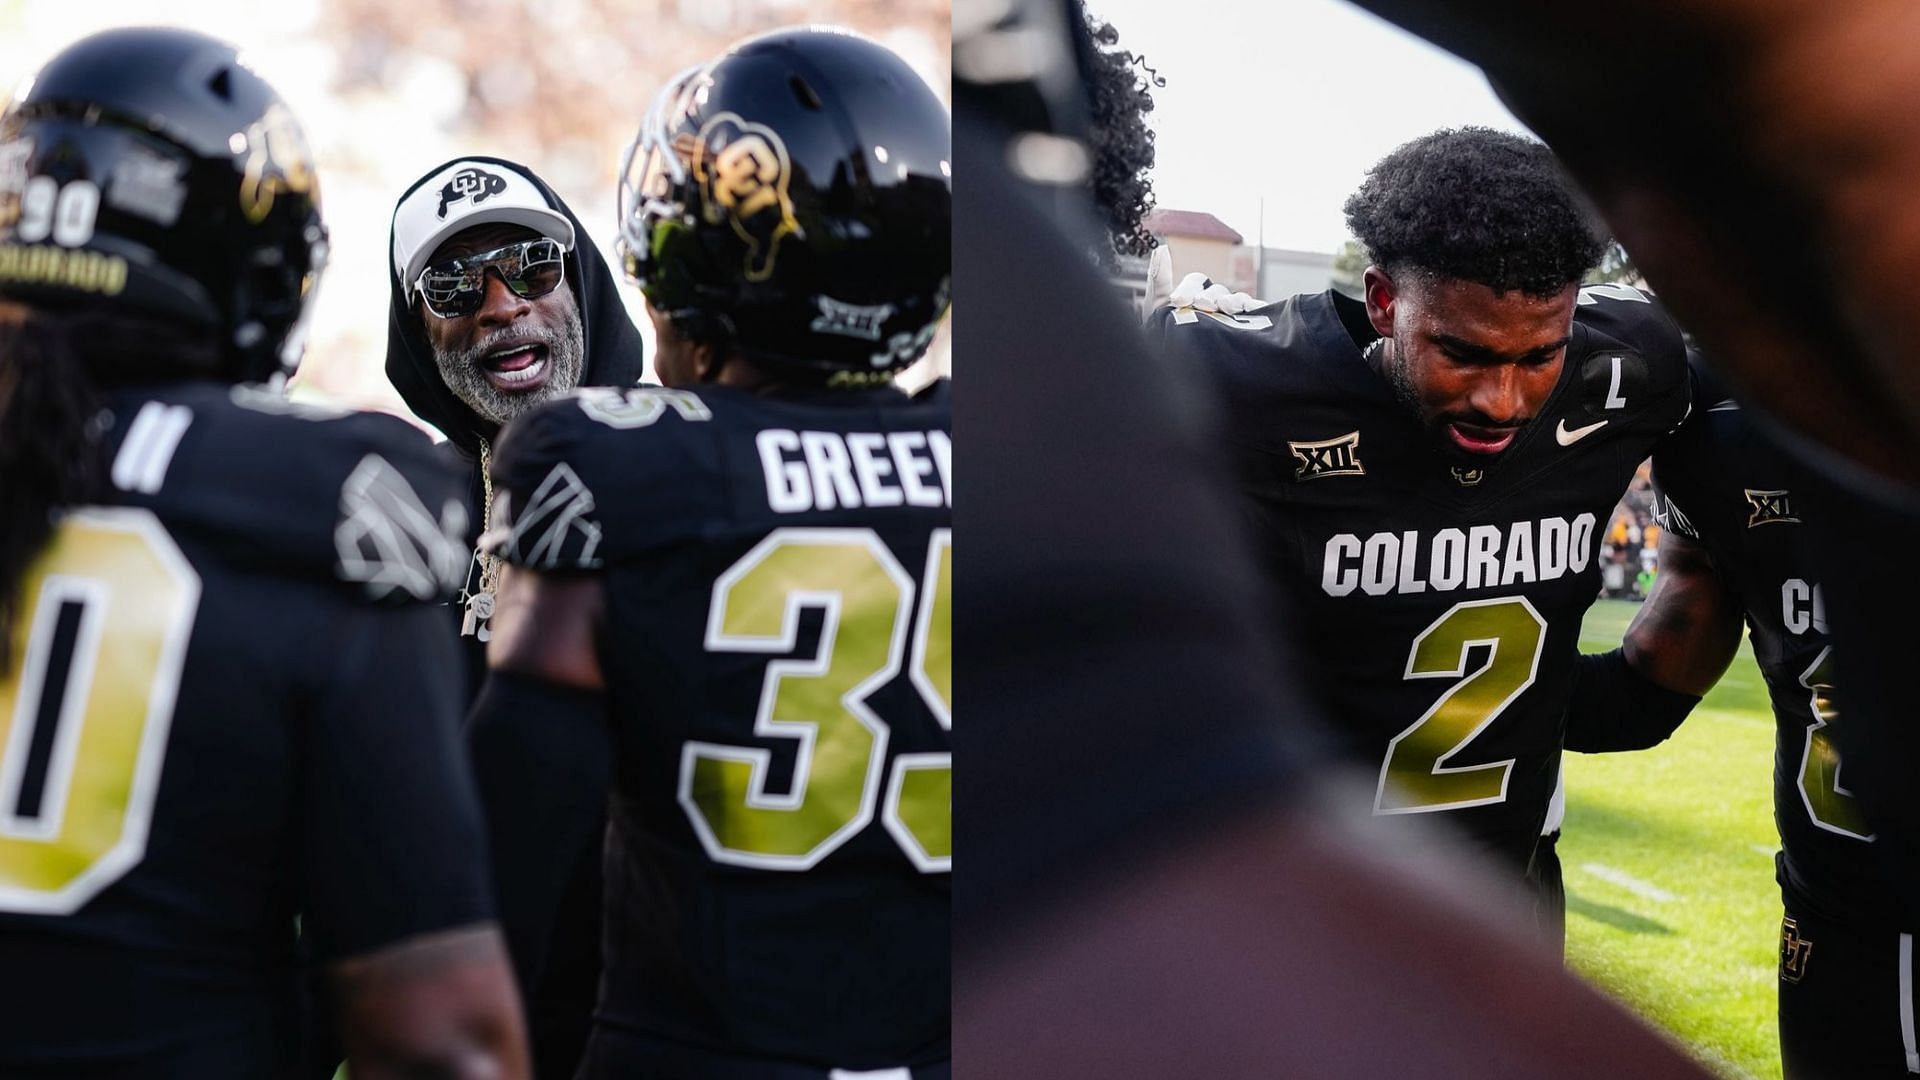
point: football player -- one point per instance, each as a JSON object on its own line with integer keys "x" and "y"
{"x": 1734, "y": 508}
{"x": 728, "y": 610}
{"x": 1154, "y": 890}
{"x": 1751, "y": 169}
{"x": 1428, "y": 468}
{"x": 227, "y": 709}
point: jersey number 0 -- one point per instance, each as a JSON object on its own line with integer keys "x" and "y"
{"x": 86, "y": 701}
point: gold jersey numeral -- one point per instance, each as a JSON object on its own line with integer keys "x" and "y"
{"x": 1415, "y": 778}
{"x": 1831, "y": 806}
{"x": 819, "y": 703}
{"x": 126, "y": 598}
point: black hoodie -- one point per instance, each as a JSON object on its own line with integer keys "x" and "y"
{"x": 615, "y": 357}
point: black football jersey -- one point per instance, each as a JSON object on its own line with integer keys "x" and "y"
{"x": 1438, "y": 605}
{"x": 228, "y": 703}
{"x": 778, "y": 574}
{"x": 1724, "y": 483}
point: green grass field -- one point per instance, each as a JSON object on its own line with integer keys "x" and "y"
{"x": 1671, "y": 904}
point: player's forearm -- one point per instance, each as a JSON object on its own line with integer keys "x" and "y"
{"x": 440, "y": 1005}
{"x": 1677, "y": 647}
{"x": 1614, "y": 707}
{"x": 542, "y": 762}
{"x": 1686, "y": 633}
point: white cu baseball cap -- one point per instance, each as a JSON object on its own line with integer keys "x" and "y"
{"x": 459, "y": 197}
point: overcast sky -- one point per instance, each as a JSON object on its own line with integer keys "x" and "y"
{"x": 1290, "y": 101}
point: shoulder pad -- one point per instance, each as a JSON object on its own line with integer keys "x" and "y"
{"x": 1637, "y": 319}
{"x": 551, "y": 461}
{"x": 359, "y": 498}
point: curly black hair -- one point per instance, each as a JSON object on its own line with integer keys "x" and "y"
{"x": 1119, "y": 93}
{"x": 1474, "y": 204}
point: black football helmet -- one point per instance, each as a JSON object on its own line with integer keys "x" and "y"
{"x": 149, "y": 170}
{"x": 794, "y": 198}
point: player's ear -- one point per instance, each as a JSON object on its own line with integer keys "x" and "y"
{"x": 1380, "y": 293}
{"x": 707, "y": 361}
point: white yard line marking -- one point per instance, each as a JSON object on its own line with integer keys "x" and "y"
{"x": 1628, "y": 882}
{"x": 1764, "y": 849}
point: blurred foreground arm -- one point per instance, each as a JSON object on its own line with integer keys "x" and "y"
{"x": 1754, "y": 159}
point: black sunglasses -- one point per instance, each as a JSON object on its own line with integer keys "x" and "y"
{"x": 455, "y": 288}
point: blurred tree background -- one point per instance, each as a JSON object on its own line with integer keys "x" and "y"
{"x": 387, "y": 91}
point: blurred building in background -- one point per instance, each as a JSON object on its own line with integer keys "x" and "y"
{"x": 1285, "y": 272}
{"x": 1201, "y": 243}
{"x": 388, "y": 90}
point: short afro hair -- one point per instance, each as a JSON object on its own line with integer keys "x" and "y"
{"x": 1479, "y": 205}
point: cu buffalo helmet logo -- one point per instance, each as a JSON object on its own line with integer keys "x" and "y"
{"x": 743, "y": 173}
{"x": 278, "y": 161}
{"x": 476, "y": 184}
{"x": 1794, "y": 951}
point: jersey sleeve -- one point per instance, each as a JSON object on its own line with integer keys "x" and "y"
{"x": 1637, "y": 319}
{"x": 362, "y": 500}
{"x": 545, "y": 517}
{"x": 1682, "y": 467}
{"x": 599, "y": 474}
{"x": 392, "y": 839}
{"x": 400, "y": 535}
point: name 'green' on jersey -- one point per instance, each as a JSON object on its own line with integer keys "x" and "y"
{"x": 779, "y": 574}
{"x": 1438, "y": 599}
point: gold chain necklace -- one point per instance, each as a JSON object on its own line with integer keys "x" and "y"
{"x": 480, "y": 602}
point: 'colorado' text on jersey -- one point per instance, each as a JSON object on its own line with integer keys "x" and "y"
{"x": 1439, "y": 600}
{"x": 778, "y": 575}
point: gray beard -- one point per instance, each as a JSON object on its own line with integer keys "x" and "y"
{"x": 462, "y": 373}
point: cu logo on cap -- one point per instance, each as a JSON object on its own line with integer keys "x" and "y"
{"x": 475, "y": 184}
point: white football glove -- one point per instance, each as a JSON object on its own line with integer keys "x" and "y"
{"x": 1159, "y": 277}
{"x": 1196, "y": 292}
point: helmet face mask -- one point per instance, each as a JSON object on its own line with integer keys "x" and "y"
{"x": 792, "y": 200}
{"x": 149, "y": 172}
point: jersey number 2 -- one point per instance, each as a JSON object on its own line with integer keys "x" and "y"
{"x": 86, "y": 701}
{"x": 1416, "y": 778}
{"x": 819, "y": 702}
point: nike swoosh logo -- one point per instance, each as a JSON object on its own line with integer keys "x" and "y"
{"x": 1567, "y": 438}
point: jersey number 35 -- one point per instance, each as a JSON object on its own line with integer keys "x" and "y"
{"x": 868, "y": 632}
